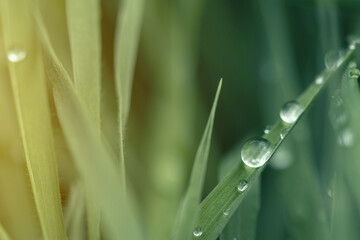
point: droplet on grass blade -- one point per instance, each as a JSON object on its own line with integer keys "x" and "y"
{"x": 284, "y": 132}
{"x": 319, "y": 80}
{"x": 16, "y": 55}
{"x": 242, "y": 185}
{"x": 267, "y": 129}
{"x": 197, "y": 232}
{"x": 256, "y": 151}
{"x": 226, "y": 212}
{"x": 334, "y": 59}
{"x": 291, "y": 111}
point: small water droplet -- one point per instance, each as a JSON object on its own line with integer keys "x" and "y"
{"x": 334, "y": 59}
{"x": 256, "y": 151}
{"x": 346, "y": 138}
{"x": 291, "y": 111}
{"x": 197, "y": 232}
{"x": 353, "y": 44}
{"x": 226, "y": 212}
{"x": 242, "y": 185}
{"x": 16, "y": 55}
{"x": 354, "y": 73}
{"x": 284, "y": 132}
{"x": 267, "y": 129}
{"x": 319, "y": 80}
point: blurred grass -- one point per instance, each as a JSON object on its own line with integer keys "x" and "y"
{"x": 267, "y": 52}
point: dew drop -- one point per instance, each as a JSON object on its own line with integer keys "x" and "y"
{"x": 284, "y": 132}
{"x": 267, "y": 129}
{"x": 256, "y": 151}
{"x": 291, "y": 111}
{"x": 355, "y": 73}
{"x": 242, "y": 185}
{"x": 16, "y": 55}
{"x": 319, "y": 80}
{"x": 226, "y": 212}
{"x": 334, "y": 59}
{"x": 197, "y": 232}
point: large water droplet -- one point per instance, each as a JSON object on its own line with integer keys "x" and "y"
{"x": 334, "y": 59}
{"x": 197, "y": 232}
{"x": 242, "y": 185}
{"x": 267, "y": 129}
{"x": 291, "y": 111}
{"x": 256, "y": 151}
{"x": 319, "y": 80}
{"x": 284, "y": 132}
{"x": 16, "y": 55}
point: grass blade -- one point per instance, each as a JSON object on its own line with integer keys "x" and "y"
{"x": 3, "y": 234}
{"x": 127, "y": 37}
{"x": 75, "y": 213}
{"x": 85, "y": 43}
{"x": 126, "y": 46}
{"x": 243, "y": 223}
{"x": 30, "y": 94}
{"x": 225, "y": 196}
{"x": 188, "y": 213}
{"x": 101, "y": 178}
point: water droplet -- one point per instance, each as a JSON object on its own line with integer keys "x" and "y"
{"x": 256, "y": 151}
{"x": 197, "y": 232}
{"x": 242, "y": 185}
{"x": 282, "y": 159}
{"x": 319, "y": 80}
{"x": 16, "y": 55}
{"x": 334, "y": 59}
{"x": 284, "y": 132}
{"x": 346, "y": 138}
{"x": 226, "y": 212}
{"x": 267, "y": 129}
{"x": 353, "y": 44}
{"x": 354, "y": 73}
{"x": 291, "y": 111}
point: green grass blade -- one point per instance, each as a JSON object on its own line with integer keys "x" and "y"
{"x": 85, "y": 43}
{"x": 101, "y": 178}
{"x": 30, "y": 94}
{"x": 3, "y": 234}
{"x": 189, "y": 210}
{"x": 75, "y": 212}
{"x": 127, "y": 37}
{"x": 243, "y": 223}
{"x": 225, "y": 195}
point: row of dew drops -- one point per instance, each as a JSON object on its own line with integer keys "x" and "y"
{"x": 257, "y": 151}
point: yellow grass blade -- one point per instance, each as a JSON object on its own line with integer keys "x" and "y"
{"x": 32, "y": 108}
